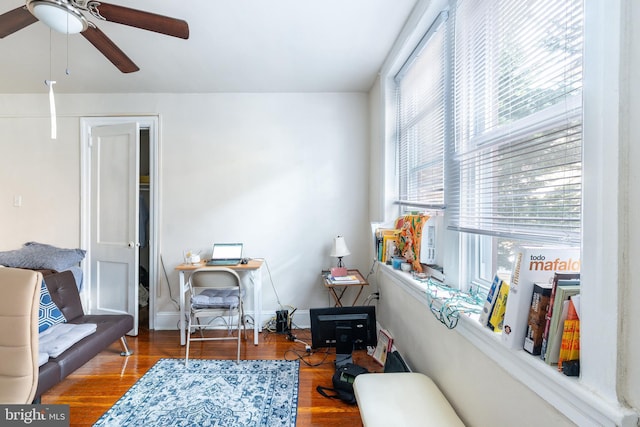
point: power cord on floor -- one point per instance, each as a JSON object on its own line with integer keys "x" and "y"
{"x": 166, "y": 276}
{"x": 307, "y": 354}
{"x": 270, "y": 324}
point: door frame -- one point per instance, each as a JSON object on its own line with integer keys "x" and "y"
{"x": 145, "y": 122}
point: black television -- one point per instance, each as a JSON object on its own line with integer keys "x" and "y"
{"x": 345, "y": 328}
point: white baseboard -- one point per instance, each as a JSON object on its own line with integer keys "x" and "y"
{"x": 168, "y": 320}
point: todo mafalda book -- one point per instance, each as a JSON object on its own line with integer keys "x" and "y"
{"x": 532, "y": 265}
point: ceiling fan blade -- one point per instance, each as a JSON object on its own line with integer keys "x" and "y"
{"x": 140, "y": 19}
{"x": 15, "y": 20}
{"x": 109, "y": 49}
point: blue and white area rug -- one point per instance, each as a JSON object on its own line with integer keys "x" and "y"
{"x": 210, "y": 393}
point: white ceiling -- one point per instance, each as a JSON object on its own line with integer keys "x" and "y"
{"x": 234, "y": 46}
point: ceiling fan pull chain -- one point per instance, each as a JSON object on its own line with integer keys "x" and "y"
{"x": 52, "y": 110}
{"x": 50, "y": 83}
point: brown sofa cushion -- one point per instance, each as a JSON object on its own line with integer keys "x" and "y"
{"x": 63, "y": 290}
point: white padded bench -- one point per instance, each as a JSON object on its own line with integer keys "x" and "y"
{"x": 402, "y": 399}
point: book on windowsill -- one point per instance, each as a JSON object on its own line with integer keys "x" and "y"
{"x": 385, "y": 343}
{"x": 564, "y": 290}
{"x": 532, "y": 265}
{"x": 540, "y": 301}
{"x": 384, "y": 238}
{"x": 574, "y": 354}
{"x": 496, "y": 320}
{"x": 558, "y": 278}
{"x": 570, "y": 345}
{"x": 490, "y": 301}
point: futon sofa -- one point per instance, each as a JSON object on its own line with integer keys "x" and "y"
{"x": 110, "y": 327}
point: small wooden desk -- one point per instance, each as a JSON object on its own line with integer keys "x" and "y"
{"x": 253, "y": 267}
{"x": 332, "y": 287}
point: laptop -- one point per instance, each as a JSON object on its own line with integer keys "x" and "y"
{"x": 225, "y": 254}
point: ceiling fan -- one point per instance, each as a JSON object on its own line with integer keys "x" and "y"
{"x": 67, "y": 16}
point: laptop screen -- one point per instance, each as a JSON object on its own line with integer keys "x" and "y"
{"x": 227, "y": 251}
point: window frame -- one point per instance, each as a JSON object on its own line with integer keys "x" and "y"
{"x": 435, "y": 197}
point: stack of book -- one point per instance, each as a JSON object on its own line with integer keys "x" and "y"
{"x": 532, "y": 265}
{"x": 386, "y": 242}
{"x": 343, "y": 280}
{"x": 564, "y": 286}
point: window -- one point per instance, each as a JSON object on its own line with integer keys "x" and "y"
{"x": 489, "y": 127}
{"x": 420, "y": 91}
{"x": 518, "y": 130}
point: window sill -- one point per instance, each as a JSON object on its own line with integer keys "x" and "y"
{"x": 567, "y": 394}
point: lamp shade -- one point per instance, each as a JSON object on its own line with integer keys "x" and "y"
{"x": 340, "y": 248}
{"x": 59, "y": 15}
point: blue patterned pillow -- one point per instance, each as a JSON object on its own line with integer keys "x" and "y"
{"x": 49, "y": 314}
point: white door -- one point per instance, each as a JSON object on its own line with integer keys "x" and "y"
{"x": 114, "y": 151}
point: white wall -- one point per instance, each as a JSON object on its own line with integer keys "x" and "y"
{"x": 629, "y": 373}
{"x": 283, "y": 173}
{"x": 44, "y": 173}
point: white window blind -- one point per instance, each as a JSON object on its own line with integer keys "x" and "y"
{"x": 518, "y": 119}
{"x": 420, "y": 87}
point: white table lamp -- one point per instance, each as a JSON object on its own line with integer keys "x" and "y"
{"x": 339, "y": 250}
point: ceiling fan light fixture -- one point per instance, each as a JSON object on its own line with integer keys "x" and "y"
{"x": 59, "y": 15}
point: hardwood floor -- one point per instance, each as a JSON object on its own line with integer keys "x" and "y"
{"x": 95, "y": 387}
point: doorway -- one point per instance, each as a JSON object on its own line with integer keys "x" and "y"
{"x": 119, "y": 218}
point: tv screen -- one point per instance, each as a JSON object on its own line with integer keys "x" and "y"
{"x": 343, "y": 327}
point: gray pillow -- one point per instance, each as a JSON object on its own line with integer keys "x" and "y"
{"x": 35, "y": 255}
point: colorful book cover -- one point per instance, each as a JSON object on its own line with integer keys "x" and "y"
{"x": 532, "y": 265}
{"x": 490, "y": 301}
{"x": 574, "y": 354}
{"x": 389, "y": 238}
{"x": 570, "y": 328}
{"x": 384, "y": 346}
{"x": 560, "y": 312}
{"x": 378, "y": 234}
{"x": 557, "y": 278}
{"x": 497, "y": 314}
{"x": 536, "y": 321}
